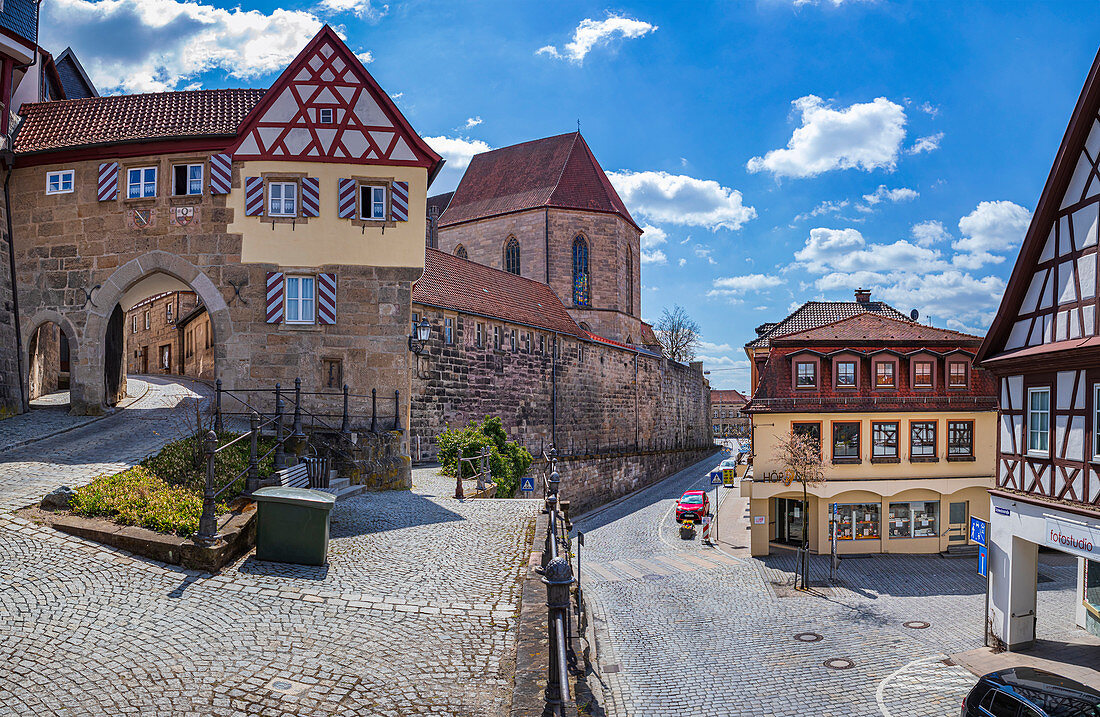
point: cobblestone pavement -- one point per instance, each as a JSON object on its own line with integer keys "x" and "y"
{"x": 415, "y": 612}
{"x": 720, "y": 639}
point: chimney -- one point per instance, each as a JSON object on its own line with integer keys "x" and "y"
{"x": 863, "y": 296}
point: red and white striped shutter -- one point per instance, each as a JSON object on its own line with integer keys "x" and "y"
{"x": 311, "y": 197}
{"x": 274, "y": 297}
{"x": 326, "y": 298}
{"x": 399, "y": 201}
{"x": 108, "y": 181}
{"x": 221, "y": 173}
{"x": 346, "y": 201}
{"x": 253, "y": 196}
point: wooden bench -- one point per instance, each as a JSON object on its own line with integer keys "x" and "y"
{"x": 294, "y": 477}
{"x": 318, "y": 472}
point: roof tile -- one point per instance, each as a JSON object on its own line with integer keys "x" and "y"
{"x": 818, "y": 313}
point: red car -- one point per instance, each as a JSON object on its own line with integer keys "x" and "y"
{"x": 693, "y": 505}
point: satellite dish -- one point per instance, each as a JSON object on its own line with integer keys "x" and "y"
{"x": 914, "y": 314}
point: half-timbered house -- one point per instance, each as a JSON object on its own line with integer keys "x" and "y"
{"x": 1044, "y": 348}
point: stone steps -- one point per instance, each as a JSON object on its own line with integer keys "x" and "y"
{"x": 342, "y": 487}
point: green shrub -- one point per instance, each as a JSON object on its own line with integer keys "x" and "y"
{"x": 508, "y": 461}
{"x": 164, "y": 492}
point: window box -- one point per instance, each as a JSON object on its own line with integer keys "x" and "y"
{"x": 846, "y": 461}
{"x": 883, "y": 459}
{"x": 924, "y": 459}
{"x": 961, "y": 459}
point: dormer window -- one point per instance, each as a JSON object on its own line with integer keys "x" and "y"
{"x": 805, "y": 374}
{"x": 845, "y": 374}
{"x": 922, "y": 374}
{"x": 958, "y": 374}
{"x": 885, "y": 374}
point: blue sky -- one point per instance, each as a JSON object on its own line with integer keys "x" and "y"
{"x": 778, "y": 151}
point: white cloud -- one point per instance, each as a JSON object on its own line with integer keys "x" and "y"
{"x": 712, "y": 347}
{"x": 834, "y": 3}
{"x": 473, "y": 122}
{"x": 929, "y": 233}
{"x": 365, "y": 9}
{"x": 679, "y": 199}
{"x": 825, "y": 207}
{"x": 367, "y": 57}
{"x": 846, "y": 251}
{"x": 926, "y": 144}
{"x": 682, "y": 261}
{"x": 652, "y": 236}
{"x": 169, "y": 42}
{"x": 591, "y": 34}
{"x": 992, "y": 227}
{"x": 458, "y": 151}
{"x": 740, "y": 285}
{"x": 654, "y": 256}
{"x": 863, "y": 136}
{"x": 930, "y": 109}
{"x": 901, "y": 194}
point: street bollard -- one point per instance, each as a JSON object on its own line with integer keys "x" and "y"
{"x": 558, "y": 577}
{"x": 208, "y": 522}
{"x": 458, "y": 478}
{"x": 218, "y": 406}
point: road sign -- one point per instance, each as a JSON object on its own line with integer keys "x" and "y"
{"x": 983, "y": 559}
{"x": 527, "y": 483}
{"x": 977, "y": 530}
{"x": 716, "y": 478}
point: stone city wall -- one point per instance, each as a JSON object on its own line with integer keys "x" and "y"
{"x": 11, "y": 398}
{"x": 592, "y": 397}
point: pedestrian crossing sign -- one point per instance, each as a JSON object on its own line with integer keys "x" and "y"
{"x": 527, "y": 483}
{"x": 716, "y": 478}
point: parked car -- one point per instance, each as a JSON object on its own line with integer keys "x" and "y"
{"x": 693, "y": 505}
{"x": 728, "y": 463}
{"x": 1029, "y": 692}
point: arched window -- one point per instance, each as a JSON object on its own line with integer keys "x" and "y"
{"x": 581, "y": 293}
{"x": 629, "y": 281}
{"x": 460, "y": 252}
{"x": 511, "y": 255}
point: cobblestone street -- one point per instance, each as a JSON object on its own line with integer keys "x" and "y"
{"x": 684, "y": 629}
{"x": 415, "y": 612}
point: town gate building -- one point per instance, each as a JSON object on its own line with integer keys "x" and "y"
{"x": 1044, "y": 348}
{"x": 294, "y": 213}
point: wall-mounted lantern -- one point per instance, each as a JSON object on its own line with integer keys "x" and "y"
{"x": 420, "y": 336}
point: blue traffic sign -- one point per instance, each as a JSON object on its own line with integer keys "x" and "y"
{"x": 716, "y": 478}
{"x": 977, "y": 530}
{"x": 983, "y": 559}
{"x": 527, "y": 483}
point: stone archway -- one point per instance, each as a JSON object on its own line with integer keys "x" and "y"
{"x": 68, "y": 335}
{"x": 92, "y": 390}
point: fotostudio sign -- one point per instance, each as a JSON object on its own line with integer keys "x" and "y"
{"x": 1075, "y": 538}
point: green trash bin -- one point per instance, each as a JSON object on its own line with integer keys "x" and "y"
{"x": 292, "y": 524}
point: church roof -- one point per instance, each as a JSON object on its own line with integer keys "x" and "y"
{"x": 90, "y": 121}
{"x": 877, "y": 329}
{"x": 813, "y": 314}
{"x": 559, "y": 172}
{"x": 462, "y": 285}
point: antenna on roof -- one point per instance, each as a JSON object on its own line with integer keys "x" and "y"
{"x": 914, "y": 314}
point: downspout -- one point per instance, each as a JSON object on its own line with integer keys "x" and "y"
{"x": 546, "y": 235}
{"x": 554, "y": 392}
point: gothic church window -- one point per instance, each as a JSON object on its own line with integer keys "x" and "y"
{"x": 511, "y": 255}
{"x": 460, "y": 252}
{"x": 581, "y": 294}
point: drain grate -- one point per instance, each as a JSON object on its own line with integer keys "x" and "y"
{"x": 808, "y": 637}
{"x": 839, "y": 663}
{"x": 287, "y": 687}
{"x": 916, "y": 624}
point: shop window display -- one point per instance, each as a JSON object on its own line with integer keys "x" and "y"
{"x": 914, "y": 520}
{"x": 858, "y": 521}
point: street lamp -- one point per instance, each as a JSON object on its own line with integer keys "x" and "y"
{"x": 421, "y": 333}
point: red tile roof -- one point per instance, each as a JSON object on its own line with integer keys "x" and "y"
{"x": 466, "y": 286}
{"x": 875, "y": 328}
{"x": 720, "y": 395}
{"x": 818, "y": 313}
{"x": 69, "y": 124}
{"x": 556, "y": 171}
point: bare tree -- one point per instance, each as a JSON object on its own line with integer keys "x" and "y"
{"x": 678, "y": 334}
{"x": 800, "y": 456}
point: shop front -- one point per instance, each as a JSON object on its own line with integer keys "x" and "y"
{"x": 1018, "y": 528}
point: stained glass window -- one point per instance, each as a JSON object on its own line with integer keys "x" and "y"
{"x": 581, "y": 295}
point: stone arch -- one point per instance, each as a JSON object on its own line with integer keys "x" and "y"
{"x": 91, "y": 391}
{"x": 28, "y": 329}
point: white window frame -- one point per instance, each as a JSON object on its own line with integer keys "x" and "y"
{"x": 61, "y": 175}
{"x": 1096, "y": 421}
{"x": 200, "y": 179}
{"x": 133, "y": 324}
{"x": 147, "y": 319}
{"x": 1032, "y": 432}
{"x": 375, "y": 202}
{"x": 448, "y": 330}
{"x": 321, "y": 115}
{"x": 855, "y": 374}
{"x": 480, "y": 334}
{"x": 302, "y": 280}
{"x": 798, "y": 374}
{"x": 282, "y": 199}
{"x": 143, "y": 184}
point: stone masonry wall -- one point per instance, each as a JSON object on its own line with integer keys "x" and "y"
{"x": 607, "y": 397}
{"x": 161, "y": 332}
{"x": 77, "y": 256}
{"x": 11, "y": 399}
{"x": 44, "y": 371}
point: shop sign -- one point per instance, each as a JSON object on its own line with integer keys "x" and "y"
{"x": 1001, "y": 511}
{"x": 759, "y": 519}
{"x": 1073, "y": 537}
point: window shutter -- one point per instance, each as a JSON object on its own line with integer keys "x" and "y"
{"x": 311, "y": 197}
{"x": 253, "y": 196}
{"x": 221, "y": 173}
{"x": 326, "y": 298}
{"x": 274, "y": 297}
{"x": 399, "y": 201}
{"x": 108, "y": 181}
{"x": 346, "y": 203}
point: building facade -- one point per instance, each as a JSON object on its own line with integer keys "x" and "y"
{"x": 545, "y": 210}
{"x": 294, "y": 213}
{"x": 728, "y": 420}
{"x": 905, "y": 424}
{"x": 154, "y": 338}
{"x": 1044, "y": 349}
